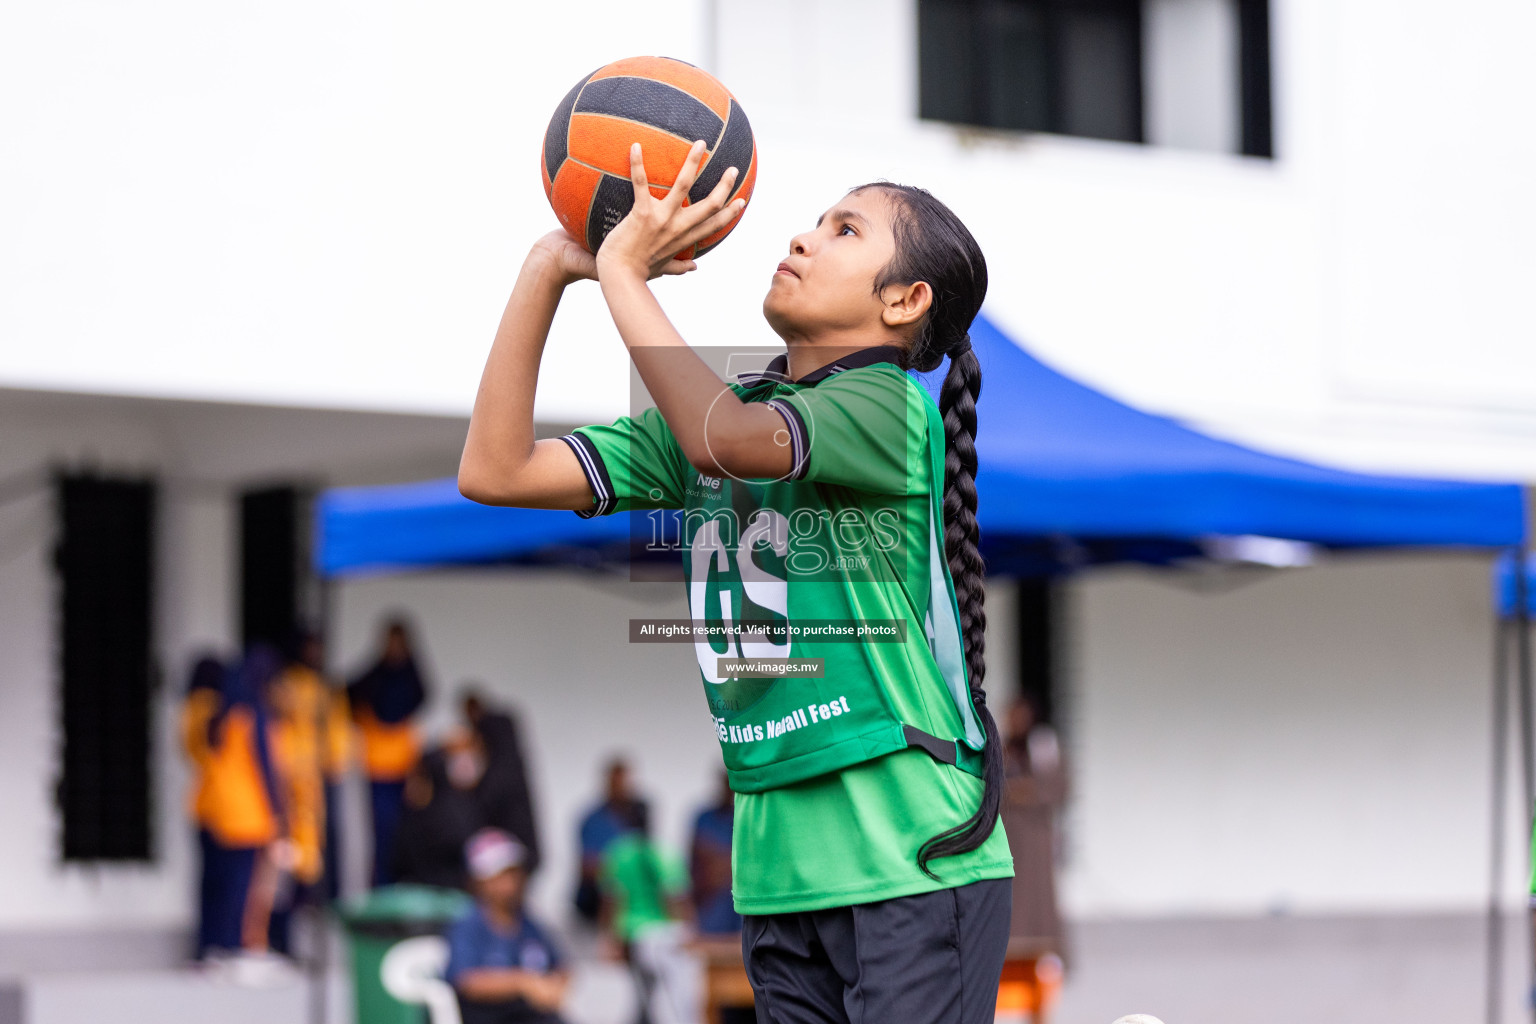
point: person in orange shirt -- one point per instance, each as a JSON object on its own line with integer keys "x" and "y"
{"x": 236, "y": 802}
{"x": 298, "y": 700}
{"x": 384, "y": 701}
{"x": 337, "y": 740}
{"x": 204, "y": 700}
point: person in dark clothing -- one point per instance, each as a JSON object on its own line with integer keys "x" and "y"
{"x": 620, "y": 812}
{"x": 1035, "y": 788}
{"x": 441, "y": 814}
{"x": 709, "y": 865}
{"x": 384, "y": 702}
{"x": 502, "y": 964}
{"x": 503, "y": 791}
{"x": 240, "y": 802}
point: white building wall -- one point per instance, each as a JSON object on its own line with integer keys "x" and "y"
{"x": 1310, "y": 740}
{"x": 326, "y": 204}
{"x": 194, "y": 535}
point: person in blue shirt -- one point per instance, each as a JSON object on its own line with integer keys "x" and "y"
{"x": 505, "y": 968}
{"x": 709, "y": 865}
{"x": 618, "y": 814}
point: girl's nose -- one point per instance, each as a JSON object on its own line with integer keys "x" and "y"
{"x": 797, "y": 246}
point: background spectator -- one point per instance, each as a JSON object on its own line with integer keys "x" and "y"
{"x": 441, "y": 814}
{"x": 503, "y": 791}
{"x": 203, "y": 701}
{"x": 298, "y": 702}
{"x": 709, "y": 865}
{"x": 645, "y": 902}
{"x": 242, "y": 809}
{"x": 338, "y": 753}
{"x": 619, "y": 812}
{"x": 1035, "y": 788}
{"x": 384, "y": 702}
{"x": 503, "y": 965}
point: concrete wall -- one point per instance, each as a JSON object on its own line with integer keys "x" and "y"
{"x": 1310, "y": 740}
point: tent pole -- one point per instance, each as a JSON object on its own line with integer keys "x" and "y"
{"x": 1528, "y": 749}
{"x": 320, "y": 967}
{"x": 1495, "y": 939}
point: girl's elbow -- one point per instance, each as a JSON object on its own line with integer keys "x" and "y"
{"x": 477, "y": 487}
{"x": 704, "y": 459}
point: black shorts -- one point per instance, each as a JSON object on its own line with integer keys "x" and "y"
{"x": 933, "y": 958}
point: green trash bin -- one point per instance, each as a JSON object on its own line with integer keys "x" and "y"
{"x": 378, "y": 920}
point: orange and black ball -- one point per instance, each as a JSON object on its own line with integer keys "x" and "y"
{"x": 663, "y": 104}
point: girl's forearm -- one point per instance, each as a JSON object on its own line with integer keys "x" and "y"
{"x": 717, "y": 431}
{"x": 500, "y": 443}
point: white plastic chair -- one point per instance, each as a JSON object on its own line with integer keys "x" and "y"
{"x": 412, "y": 972}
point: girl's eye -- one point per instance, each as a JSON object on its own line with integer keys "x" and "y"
{"x": 847, "y": 228}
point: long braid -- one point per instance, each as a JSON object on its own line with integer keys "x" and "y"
{"x": 934, "y": 246}
{"x": 962, "y": 539}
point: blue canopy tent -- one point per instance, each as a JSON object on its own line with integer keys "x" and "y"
{"x": 1067, "y": 477}
{"x": 1062, "y": 468}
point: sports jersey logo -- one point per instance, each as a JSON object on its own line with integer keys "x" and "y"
{"x": 716, "y": 566}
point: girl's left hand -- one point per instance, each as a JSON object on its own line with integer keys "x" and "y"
{"x": 654, "y": 230}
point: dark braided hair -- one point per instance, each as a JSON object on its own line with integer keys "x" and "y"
{"x": 932, "y": 245}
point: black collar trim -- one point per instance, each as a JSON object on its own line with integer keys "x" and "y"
{"x": 778, "y": 369}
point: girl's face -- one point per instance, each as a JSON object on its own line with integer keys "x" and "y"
{"x": 827, "y": 283}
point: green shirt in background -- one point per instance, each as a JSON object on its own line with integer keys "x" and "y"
{"x": 640, "y": 877}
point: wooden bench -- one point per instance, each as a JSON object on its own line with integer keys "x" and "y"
{"x": 725, "y": 978}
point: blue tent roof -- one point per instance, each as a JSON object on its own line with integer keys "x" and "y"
{"x": 1059, "y": 462}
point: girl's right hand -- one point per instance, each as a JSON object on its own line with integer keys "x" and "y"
{"x": 573, "y": 263}
{"x": 566, "y": 257}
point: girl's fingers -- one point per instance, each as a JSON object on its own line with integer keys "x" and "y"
{"x": 722, "y": 190}
{"x": 707, "y": 226}
{"x": 687, "y": 176}
{"x": 637, "y": 174}
{"x": 711, "y": 204}
{"x": 674, "y": 267}
{"x": 718, "y": 222}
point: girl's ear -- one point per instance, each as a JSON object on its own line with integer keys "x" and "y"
{"x": 905, "y": 304}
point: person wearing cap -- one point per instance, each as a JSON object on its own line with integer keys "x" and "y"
{"x": 504, "y": 966}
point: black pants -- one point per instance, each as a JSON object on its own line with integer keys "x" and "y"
{"x": 933, "y": 958}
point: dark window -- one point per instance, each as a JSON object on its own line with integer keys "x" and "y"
{"x": 1073, "y": 67}
{"x": 105, "y": 567}
{"x": 1253, "y": 74}
{"x": 1036, "y": 627}
{"x": 270, "y": 559}
{"x": 1066, "y": 66}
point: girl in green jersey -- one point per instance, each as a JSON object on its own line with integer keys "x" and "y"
{"x": 891, "y": 275}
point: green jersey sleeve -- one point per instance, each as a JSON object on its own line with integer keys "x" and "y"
{"x": 633, "y": 463}
{"x": 865, "y": 428}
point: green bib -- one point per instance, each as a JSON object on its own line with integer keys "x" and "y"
{"x": 831, "y": 633}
